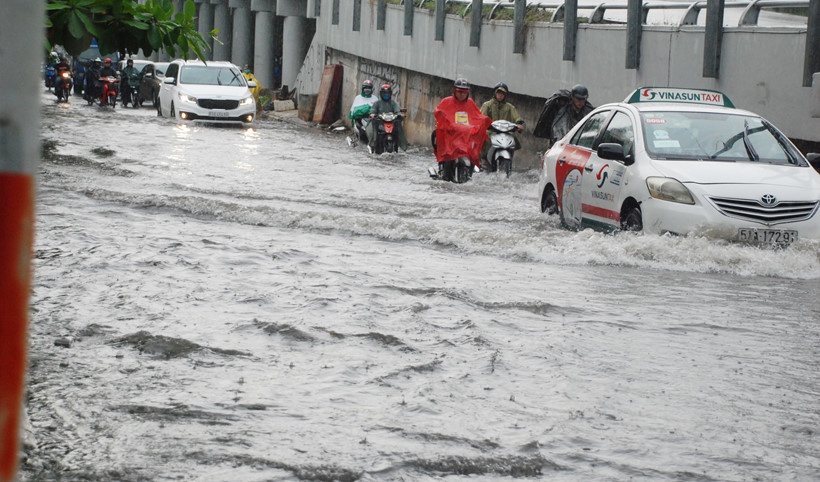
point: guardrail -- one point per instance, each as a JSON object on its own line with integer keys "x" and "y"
{"x": 636, "y": 15}
{"x": 749, "y": 15}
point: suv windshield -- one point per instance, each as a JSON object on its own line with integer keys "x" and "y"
{"x": 211, "y": 75}
{"x": 715, "y": 136}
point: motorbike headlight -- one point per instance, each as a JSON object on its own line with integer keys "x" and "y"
{"x": 668, "y": 189}
{"x": 187, "y": 98}
{"x": 246, "y": 101}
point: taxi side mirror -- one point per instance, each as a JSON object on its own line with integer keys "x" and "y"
{"x": 614, "y": 152}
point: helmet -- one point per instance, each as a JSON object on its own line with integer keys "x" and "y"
{"x": 461, "y": 84}
{"x": 367, "y": 86}
{"x": 386, "y": 92}
{"x": 107, "y": 60}
{"x": 502, "y": 87}
{"x": 579, "y": 91}
{"x": 97, "y": 60}
{"x": 129, "y": 62}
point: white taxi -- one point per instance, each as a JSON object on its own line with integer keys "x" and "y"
{"x": 685, "y": 162}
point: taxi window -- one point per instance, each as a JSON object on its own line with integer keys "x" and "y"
{"x": 620, "y": 131}
{"x": 714, "y": 136}
{"x": 586, "y": 135}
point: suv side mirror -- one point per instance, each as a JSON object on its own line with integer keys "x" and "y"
{"x": 814, "y": 160}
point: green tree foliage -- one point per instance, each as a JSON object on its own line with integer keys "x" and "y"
{"x": 124, "y": 26}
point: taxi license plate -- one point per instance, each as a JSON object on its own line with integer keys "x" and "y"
{"x": 218, "y": 113}
{"x": 767, "y": 236}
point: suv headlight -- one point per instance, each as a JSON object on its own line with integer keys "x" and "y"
{"x": 187, "y": 98}
{"x": 668, "y": 189}
{"x": 246, "y": 101}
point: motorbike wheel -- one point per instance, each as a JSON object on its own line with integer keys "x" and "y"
{"x": 463, "y": 173}
{"x": 389, "y": 145}
{"x": 505, "y": 165}
{"x": 135, "y": 99}
{"x": 448, "y": 171}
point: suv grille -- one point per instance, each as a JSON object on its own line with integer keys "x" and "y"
{"x": 218, "y": 104}
{"x": 753, "y": 210}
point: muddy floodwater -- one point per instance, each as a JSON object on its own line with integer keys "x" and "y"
{"x": 268, "y": 304}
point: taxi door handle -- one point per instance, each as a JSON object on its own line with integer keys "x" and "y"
{"x": 588, "y": 168}
{"x": 562, "y": 161}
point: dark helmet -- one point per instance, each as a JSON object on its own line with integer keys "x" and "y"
{"x": 462, "y": 84}
{"x": 129, "y": 62}
{"x": 502, "y": 87}
{"x": 367, "y": 85}
{"x": 579, "y": 91}
{"x": 386, "y": 92}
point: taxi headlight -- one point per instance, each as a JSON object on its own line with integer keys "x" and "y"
{"x": 668, "y": 189}
{"x": 246, "y": 101}
{"x": 187, "y": 98}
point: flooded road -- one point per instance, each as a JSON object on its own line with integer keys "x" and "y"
{"x": 268, "y": 304}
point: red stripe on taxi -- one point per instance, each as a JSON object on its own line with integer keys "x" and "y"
{"x": 601, "y": 212}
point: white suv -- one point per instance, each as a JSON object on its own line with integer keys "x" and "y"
{"x": 215, "y": 92}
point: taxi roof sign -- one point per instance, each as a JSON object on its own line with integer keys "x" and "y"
{"x": 682, "y": 96}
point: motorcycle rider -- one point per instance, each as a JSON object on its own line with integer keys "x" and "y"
{"x": 385, "y": 103}
{"x": 461, "y": 129}
{"x": 498, "y": 108}
{"x": 569, "y": 115}
{"x": 106, "y": 71}
{"x": 130, "y": 77}
{"x": 360, "y": 111}
{"x": 92, "y": 78}
{"x": 61, "y": 67}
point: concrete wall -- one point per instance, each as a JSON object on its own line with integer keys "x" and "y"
{"x": 761, "y": 67}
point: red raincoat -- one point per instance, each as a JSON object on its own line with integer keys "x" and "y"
{"x": 461, "y": 130}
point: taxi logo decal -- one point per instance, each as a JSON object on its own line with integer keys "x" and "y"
{"x": 700, "y": 97}
{"x": 685, "y": 96}
{"x": 602, "y": 175}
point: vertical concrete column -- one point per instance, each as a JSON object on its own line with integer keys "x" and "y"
{"x": 205, "y": 25}
{"x": 21, "y": 34}
{"x": 296, "y": 37}
{"x": 224, "y": 24}
{"x": 263, "y": 41}
{"x": 241, "y": 52}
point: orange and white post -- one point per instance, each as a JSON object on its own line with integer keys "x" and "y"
{"x": 21, "y": 54}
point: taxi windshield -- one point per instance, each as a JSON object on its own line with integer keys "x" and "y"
{"x": 715, "y": 136}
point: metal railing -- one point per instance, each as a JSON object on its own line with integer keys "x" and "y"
{"x": 749, "y": 15}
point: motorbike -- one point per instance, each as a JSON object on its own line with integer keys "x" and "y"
{"x": 51, "y": 76}
{"x": 359, "y": 134}
{"x": 109, "y": 93}
{"x": 63, "y": 86}
{"x": 458, "y": 171}
{"x": 387, "y": 136}
{"x": 131, "y": 95}
{"x": 502, "y": 146}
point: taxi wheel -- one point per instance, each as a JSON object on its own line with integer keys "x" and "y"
{"x": 549, "y": 201}
{"x": 632, "y": 220}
